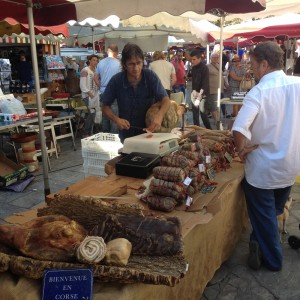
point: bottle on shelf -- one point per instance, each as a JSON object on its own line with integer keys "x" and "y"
{"x": 24, "y": 88}
{"x": 19, "y": 88}
{"x": 11, "y": 87}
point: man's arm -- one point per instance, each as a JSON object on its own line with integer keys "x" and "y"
{"x": 240, "y": 142}
{"x": 121, "y": 123}
{"x": 173, "y": 79}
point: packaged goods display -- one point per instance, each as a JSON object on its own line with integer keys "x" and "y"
{"x": 107, "y": 235}
{"x": 190, "y": 169}
{"x": 122, "y": 241}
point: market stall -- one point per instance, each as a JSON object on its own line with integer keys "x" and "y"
{"x": 181, "y": 228}
{"x": 14, "y": 40}
{"x": 210, "y": 232}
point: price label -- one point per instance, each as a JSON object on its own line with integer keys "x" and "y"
{"x": 207, "y": 189}
{"x": 211, "y": 173}
{"x": 228, "y": 157}
{"x": 208, "y": 159}
{"x": 189, "y": 201}
{"x": 187, "y": 181}
{"x": 201, "y": 168}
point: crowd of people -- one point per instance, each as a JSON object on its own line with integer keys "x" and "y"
{"x": 187, "y": 71}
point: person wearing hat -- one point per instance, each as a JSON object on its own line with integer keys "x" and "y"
{"x": 71, "y": 64}
{"x": 212, "y": 98}
{"x": 236, "y": 74}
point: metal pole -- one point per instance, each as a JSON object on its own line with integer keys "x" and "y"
{"x": 38, "y": 96}
{"x": 93, "y": 40}
{"x": 207, "y": 53}
{"x": 219, "y": 124}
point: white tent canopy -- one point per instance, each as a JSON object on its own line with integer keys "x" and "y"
{"x": 254, "y": 26}
{"x": 273, "y": 8}
{"x": 150, "y": 33}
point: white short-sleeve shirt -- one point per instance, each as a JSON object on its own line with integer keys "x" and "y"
{"x": 270, "y": 118}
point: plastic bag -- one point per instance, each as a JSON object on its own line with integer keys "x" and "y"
{"x": 198, "y": 99}
{"x": 10, "y": 105}
{"x": 98, "y": 116}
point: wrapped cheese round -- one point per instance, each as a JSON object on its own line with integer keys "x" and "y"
{"x": 91, "y": 250}
{"x": 118, "y": 252}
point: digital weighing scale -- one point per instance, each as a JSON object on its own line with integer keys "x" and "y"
{"x": 151, "y": 143}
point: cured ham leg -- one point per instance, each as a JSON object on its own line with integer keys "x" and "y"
{"x": 53, "y": 238}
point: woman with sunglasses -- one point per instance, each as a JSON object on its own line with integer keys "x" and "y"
{"x": 236, "y": 73}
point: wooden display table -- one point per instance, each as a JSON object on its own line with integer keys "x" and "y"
{"x": 211, "y": 230}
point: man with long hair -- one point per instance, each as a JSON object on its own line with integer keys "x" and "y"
{"x": 136, "y": 89}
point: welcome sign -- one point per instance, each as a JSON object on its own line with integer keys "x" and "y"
{"x": 71, "y": 284}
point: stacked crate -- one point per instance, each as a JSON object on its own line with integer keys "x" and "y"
{"x": 97, "y": 150}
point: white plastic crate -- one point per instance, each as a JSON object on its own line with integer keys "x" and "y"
{"x": 95, "y": 159}
{"x": 92, "y": 156}
{"x": 97, "y": 150}
{"x": 102, "y": 142}
{"x": 94, "y": 171}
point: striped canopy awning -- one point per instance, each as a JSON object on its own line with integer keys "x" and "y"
{"x": 10, "y": 26}
{"x": 24, "y": 39}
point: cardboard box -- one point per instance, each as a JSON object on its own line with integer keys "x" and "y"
{"x": 29, "y": 97}
{"x": 10, "y": 172}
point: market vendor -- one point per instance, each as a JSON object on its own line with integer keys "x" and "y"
{"x": 135, "y": 90}
{"x": 24, "y": 69}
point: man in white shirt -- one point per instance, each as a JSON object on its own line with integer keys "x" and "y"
{"x": 105, "y": 70}
{"x": 266, "y": 134}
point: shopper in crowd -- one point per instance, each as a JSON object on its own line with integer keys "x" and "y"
{"x": 236, "y": 73}
{"x": 90, "y": 95}
{"x": 135, "y": 89}
{"x": 24, "y": 69}
{"x": 106, "y": 68}
{"x": 266, "y": 135}
{"x": 212, "y": 98}
{"x": 72, "y": 82}
{"x": 188, "y": 77}
{"x": 177, "y": 61}
{"x": 200, "y": 81}
{"x": 225, "y": 59}
{"x": 72, "y": 64}
{"x": 296, "y": 70}
{"x": 164, "y": 70}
